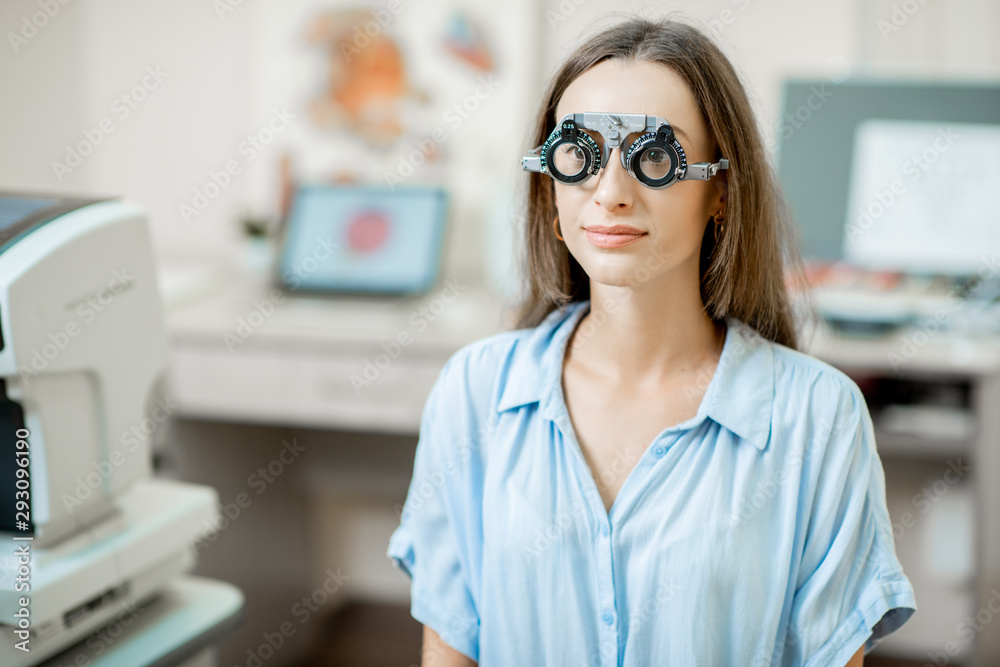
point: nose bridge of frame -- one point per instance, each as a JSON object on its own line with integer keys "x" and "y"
{"x": 608, "y": 139}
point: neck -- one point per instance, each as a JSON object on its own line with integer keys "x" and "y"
{"x": 647, "y": 334}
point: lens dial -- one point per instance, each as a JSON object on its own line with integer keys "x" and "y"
{"x": 654, "y": 158}
{"x": 570, "y": 156}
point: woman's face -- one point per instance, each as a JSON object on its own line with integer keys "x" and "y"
{"x": 671, "y": 221}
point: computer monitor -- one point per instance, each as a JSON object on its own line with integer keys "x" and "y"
{"x": 921, "y": 196}
{"x": 371, "y": 240}
{"x": 839, "y": 145}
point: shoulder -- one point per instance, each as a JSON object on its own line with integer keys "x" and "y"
{"x": 487, "y": 352}
{"x": 485, "y": 357}
{"x": 798, "y": 370}
{"x": 508, "y": 368}
{"x": 820, "y": 425}
{"x": 459, "y": 417}
{"x": 812, "y": 395}
{"x": 474, "y": 374}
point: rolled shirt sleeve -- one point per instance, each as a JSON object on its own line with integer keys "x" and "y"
{"x": 850, "y": 588}
{"x": 439, "y": 539}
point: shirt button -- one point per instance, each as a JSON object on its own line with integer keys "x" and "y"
{"x": 607, "y": 618}
{"x": 660, "y": 451}
{"x": 604, "y": 531}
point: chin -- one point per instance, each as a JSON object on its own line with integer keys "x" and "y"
{"x": 628, "y": 266}
{"x": 621, "y": 271}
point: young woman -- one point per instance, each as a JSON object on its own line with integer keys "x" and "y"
{"x": 646, "y": 471}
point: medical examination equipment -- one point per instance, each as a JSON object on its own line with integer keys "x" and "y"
{"x": 571, "y": 154}
{"x": 85, "y": 529}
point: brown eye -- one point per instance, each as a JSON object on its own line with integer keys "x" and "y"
{"x": 569, "y": 159}
{"x": 654, "y": 163}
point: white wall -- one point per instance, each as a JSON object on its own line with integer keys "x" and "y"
{"x": 94, "y": 52}
{"x": 769, "y": 40}
{"x": 43, "y": 85}
{"x": 223, "y": 77}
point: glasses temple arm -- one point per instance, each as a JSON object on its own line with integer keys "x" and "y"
{"x": 703, "y": 171}
{"x": 532, "y": 161}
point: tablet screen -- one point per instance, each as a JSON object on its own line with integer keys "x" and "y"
{"x": 363, "y": 239}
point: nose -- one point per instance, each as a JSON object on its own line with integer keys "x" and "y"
{"x": 614, "y": 187}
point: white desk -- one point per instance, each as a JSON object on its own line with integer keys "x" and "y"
{"x": 295, "y": 368}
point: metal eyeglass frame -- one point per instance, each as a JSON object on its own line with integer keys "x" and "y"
{"x": 614, "y": 127}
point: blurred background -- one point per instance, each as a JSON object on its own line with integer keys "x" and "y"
{"x": 333, "y": 193}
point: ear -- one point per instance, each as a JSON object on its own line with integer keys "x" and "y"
{"x": 721, "y": 181}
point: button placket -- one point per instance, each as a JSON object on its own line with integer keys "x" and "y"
{"x": 607, "y": 603}
{"x": 607, "y": 616}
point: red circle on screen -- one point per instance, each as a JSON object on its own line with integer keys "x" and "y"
{"x": 367, "y": 230}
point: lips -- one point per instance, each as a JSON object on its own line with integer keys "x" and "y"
{"x": 614, "y": 229}
{"x": 615, "y": 236}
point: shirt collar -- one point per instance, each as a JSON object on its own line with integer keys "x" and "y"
{"x": 740, "y": 395}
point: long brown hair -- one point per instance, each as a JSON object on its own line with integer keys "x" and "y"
{"x": 743, "y": 275}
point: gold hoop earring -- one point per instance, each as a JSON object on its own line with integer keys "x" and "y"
{"x": 720, "y": 224}
{"x": 555, "y": 228}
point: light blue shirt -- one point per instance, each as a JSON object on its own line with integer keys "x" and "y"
{"x": 754, "y": 533}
